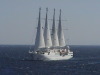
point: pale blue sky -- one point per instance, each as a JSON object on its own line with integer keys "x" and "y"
{"x": 18, "y": 20}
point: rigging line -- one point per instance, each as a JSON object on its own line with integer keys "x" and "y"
{"x": 32, "y": 40}
{"x": 51, "y": 19}
{"x": 68, "y": 35}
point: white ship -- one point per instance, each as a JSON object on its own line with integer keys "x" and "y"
{"x": 50, "y": 46}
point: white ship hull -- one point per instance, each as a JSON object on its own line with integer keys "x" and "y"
{"x": 52, "y": 56}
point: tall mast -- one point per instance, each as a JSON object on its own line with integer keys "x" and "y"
{"x": 60, "y": 33}
{"x": 55, "y": 42}
{"x": 39, "y": 42}
{"x": 47, "y": 36}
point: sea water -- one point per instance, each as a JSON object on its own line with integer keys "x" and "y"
{"x": 15, "y": 60}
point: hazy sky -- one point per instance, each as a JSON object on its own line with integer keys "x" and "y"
{"x": 18, "y": 20}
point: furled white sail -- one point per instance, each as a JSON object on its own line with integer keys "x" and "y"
{"x": 60, "y": 33}
{"x": 39, "y": 42}
{"x": 54, "y": 35}
{"x": 47, "y": 35}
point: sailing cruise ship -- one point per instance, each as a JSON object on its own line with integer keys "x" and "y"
{"x": 50, "y": 45}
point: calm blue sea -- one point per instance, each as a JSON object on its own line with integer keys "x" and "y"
{"x": 15, "y": 60}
